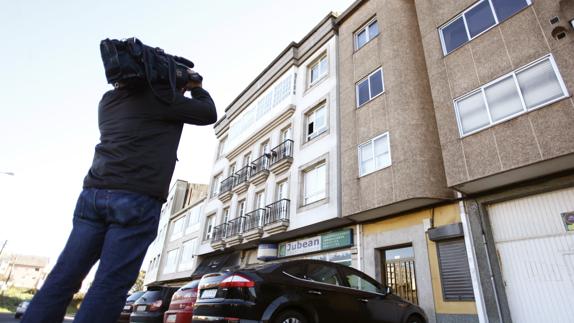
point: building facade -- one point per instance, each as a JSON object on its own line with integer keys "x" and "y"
{"x": 274, "y": 191}
{"x": 183, "y": 199}
{"x": 501, "y": 76}
{"x": 22, "y": 271}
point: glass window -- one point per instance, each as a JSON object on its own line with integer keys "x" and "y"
{"x": 260, "y": 200}
{"x": 178, "y": 226}
{"x": 539, "y": 84}
{"x": 528, "y": 88}
{"x": 365, "y": 34}
{"x": 360, "y": 282}
{"x": 374, "y": 154}
{"x": 215, "y": 185}
{"x": 221, "y": 147}
{"x": 370, "y": 87}
{"x": 316, "y": 122}
{"x": 208, "y": 231}
{"x": 475, "y": 20}
{"x": 503, "y": 99}
{"x": 286, "y": 134}
{"x": 454, "y": 35}
{"x": 225, "y": 216}
{"x": 171, "y": 261}
{"x": 187, "y": 254}
{"x": 322, "y": 274}
{"x": 318, "y": 70}
{"x": 479, "y": 18}
{"x": 472, "y": 112}
{"x": 241, "y": 208}
{"x": 282, "y": 190}
{"x": 506, "y": 8}
{"x": 315, "y": 182}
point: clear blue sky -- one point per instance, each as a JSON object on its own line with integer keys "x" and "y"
{"x": 51, "y": 79}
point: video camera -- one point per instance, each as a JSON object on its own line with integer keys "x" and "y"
{"x": 132, "y": 63}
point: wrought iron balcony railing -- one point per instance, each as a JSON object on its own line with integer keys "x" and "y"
{"x": 277, "y": 211}
{"x": 284, "y": 150}
{"x": 242, "y": 175}
{"x": 234, "y": 227}
{"x": 254, "y": 219}
{"x": 219, "y": 232}
{"x": 227, "y": 185}
{"x": 260, "y": 164}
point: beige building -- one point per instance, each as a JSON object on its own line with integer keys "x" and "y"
{"x": 457, "y": 146}
{"x": 23, "y": 271}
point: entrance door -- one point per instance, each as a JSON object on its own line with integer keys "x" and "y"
{"x": 536, "y": 255}
{"x": 399, "y": 272}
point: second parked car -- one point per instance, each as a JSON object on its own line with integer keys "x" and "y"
{"x": 127, "y": 310}
{"x": 149, "y": 308}
{"x": 300, "y": 291}
{"x": 181, "y": 306}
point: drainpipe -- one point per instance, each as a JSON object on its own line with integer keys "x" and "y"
{"x": 471, "y": 255}
{"x": 359, "y": 231}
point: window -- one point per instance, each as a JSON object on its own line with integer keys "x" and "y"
{"x": 318, "y": 70}
{"x": 360, "y": 282}
{"x": 187, "y": 254}
{"x": 476, "y": 20}
{"x": 374, "y": 154}
{"x": 231, "y": 170}
{"x": 221, "y": 147}
{"x": 364, "y": 35}
{"x": 315, "y": 182}
{"x": 399, "y": 272}
{"x": 260, "y": 200}
{"x": 454, "y": 270}
{"x": 530, "y": 87}
{"x": 370, "y": 87}
{"x": 215, "y": 185}
{"x": 286, "y": 134}
{"x": 178, "y": 226}
{"x": 192, "y": 223}
{"x": 282, "y": 190}
{"x": 208, "y": 232}
{"x": 225, "y": 216}
{"x": 316, "y": 122}
{"x": 246, "y": 159}
{"x": 240, "y": 209}
{"x": 171, "y": 262}
{"x": 322, "y": 274}
{"x": 265, "y": 147}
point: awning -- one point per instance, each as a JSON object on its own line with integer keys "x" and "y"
{"x": 217, "y": 263}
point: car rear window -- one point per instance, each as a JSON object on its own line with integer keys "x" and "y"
{"x": 150, "y": 296}
{"x": 191, "y": 285}
{"x": 133, "y": 297}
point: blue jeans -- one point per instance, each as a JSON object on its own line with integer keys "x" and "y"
{"x": 113, "y": 226}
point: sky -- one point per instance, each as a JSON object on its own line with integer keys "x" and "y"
{"x": 52, "y": 77}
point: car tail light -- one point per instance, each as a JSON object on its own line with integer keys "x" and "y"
{"x": 155, "y": 306}
{"x": 236, "y": 281}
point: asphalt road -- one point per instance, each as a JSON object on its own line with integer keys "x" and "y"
{"x": 9, "y": 318}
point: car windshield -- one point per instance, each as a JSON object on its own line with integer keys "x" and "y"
{"x": 150, "y": 296}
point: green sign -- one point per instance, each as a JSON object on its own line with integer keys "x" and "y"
{"x": 331, "y": 240}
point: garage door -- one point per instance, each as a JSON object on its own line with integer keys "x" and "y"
{"x": 536, "y": 254}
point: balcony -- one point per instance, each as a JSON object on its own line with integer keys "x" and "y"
{"x": 259, "y": 169}
{"x": 253, "y": 225}
{"x": 233, "y": 232}
{"x": 282, "y": 157}
{"x": 225, "y": 192}
{"x": 241, "y": 180}
{"x": 277, "y": 217}
{"x": 218, "y": 235}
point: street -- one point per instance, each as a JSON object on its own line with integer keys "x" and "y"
{"x": 9, "y": 318}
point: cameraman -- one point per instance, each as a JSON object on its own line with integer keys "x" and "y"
{"x": 117, "y": 213}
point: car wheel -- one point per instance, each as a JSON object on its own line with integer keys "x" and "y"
{"x": 415, "y": 319}
{"x": 290, "y": 317}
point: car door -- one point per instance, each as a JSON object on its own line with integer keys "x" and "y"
{"x": 376, "y": 306}
{"x": 327, "y": 290}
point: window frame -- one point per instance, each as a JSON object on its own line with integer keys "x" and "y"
{"x": 209, "y": 223}
{"x": 365, "y": 27}
{"x": 313, "y": 112}
{"x": 368, "y": 79}
{"x": 372, "y": 143}
{"x": 241, "y": 208}
{"x": 322, "y": 163}
{"x": 462, "y": 14}
{"x": 317, "y": 63}
{"x": 221, "y": 147}
{"x": 216, "y": 185}
{"x": 525, "y": 109}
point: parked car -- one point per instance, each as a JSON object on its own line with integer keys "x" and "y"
{"x": 149, "y": 308}
{"x": 21, "y": 309}
{"x": 300, "y": 291}
{"x": 128, "y": 307}
{"x": 181, "y": 306}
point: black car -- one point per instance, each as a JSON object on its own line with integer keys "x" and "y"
{"x": 299, "y": 291}
{"x": 149, "y": 308}
{"x": 127, "y": 310}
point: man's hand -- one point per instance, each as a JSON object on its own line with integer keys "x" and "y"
{"x": 195, "y": 80}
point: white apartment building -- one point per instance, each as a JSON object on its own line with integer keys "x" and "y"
{"x": 274, "y": 187}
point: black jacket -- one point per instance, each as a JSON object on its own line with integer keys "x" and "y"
{"x": 139, "y": 136}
